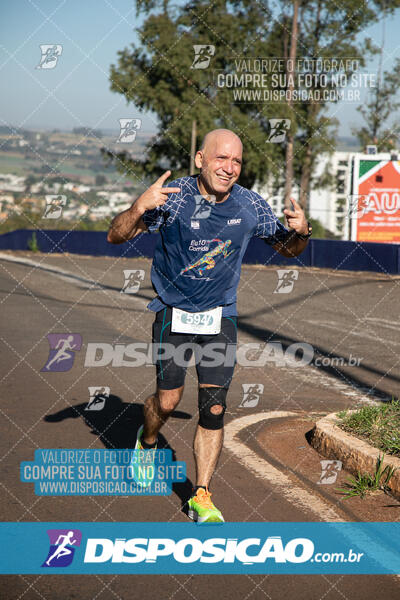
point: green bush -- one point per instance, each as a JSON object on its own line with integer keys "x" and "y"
{"x": 33, "y": 243}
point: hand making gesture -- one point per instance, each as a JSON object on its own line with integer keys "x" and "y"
{"x": 296, "y": 218}
{"x": 156, "y": 194}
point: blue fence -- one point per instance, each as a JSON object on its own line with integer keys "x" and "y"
{"x": 331, "y": 254}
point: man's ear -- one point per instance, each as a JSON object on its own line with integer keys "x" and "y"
{"x": 198, "y": 159}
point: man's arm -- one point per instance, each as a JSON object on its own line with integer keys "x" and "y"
{"x": 129, "y": 223}
{"x": 292, "y": 245}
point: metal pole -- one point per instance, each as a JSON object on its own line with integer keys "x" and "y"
{"x": 290, "y": 73}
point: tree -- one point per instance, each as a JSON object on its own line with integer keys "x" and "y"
{"x": 325, "y": 30}
{"x": 382, "y": 104}
{"x": 157, "y": 77}
{"x": 29, "y": 181}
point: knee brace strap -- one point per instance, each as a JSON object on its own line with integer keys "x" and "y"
{"x": 208, "y": 397}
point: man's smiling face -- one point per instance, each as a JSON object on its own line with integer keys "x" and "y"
{"x": 220, "y": 161}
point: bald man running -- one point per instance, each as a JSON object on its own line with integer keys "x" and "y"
{"x": 205, "y": 223}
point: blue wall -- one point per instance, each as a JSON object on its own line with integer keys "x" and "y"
{"x": 332, "y": 254}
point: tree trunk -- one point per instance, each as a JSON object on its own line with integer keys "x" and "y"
{"x": 306, "y": 179}
{"x": 313, "y": 109}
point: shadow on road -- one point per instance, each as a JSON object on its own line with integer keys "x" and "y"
{"x": 335, "y": 370}
{"x": 116, "y": 425}
{"x": 267, "y": 335}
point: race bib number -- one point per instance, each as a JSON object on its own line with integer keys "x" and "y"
{"x": 207, "y": 322}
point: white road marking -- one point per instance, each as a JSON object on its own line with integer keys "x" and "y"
{"x": 383, "y": 323}
{"x": 71, "y": 277}
{"x": 337, "y": 327}
{"x": 284, "y": 485}
{"x": 316, "y": 375}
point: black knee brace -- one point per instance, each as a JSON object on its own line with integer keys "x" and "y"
{"x": 208, "y": 397}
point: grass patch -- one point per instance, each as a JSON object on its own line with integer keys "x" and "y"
{"x": 378, "y": 425}
{"x": 364, "y": 483}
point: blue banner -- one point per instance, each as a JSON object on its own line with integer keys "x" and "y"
{"x": 154, "y": 548}
{"x": 331, "y": 254}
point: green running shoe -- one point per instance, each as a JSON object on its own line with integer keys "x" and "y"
{"x": 202, "y": 510}
{"x": 142, "y": 466}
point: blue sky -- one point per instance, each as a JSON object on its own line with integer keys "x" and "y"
{"x": 76, "y": 93}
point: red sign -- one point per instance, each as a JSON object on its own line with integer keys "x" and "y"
{"x": 376, "y": 201}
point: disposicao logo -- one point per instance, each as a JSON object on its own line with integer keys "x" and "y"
{"x": 191, "y": 550}
{"x": 62, "y": 547}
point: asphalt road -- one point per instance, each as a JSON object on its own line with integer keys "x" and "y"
{"x": 334, "y": 316}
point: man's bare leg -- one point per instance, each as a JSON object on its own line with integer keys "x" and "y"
{"x": 157, "y": 409}
{"x": 207, "y": 447}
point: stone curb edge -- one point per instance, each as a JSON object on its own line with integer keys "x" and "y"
{"x": 355, "y": 454}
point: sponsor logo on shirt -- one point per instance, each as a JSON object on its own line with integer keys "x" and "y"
{"x": 195, "y": 224}
{"x": 234, "y": 221}
{"x": 207, "y": 261}
{"x": 199, "y": 245}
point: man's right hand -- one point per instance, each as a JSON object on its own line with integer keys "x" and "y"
{"x": 130, "y": 223}
{"x": 156, "y": 194}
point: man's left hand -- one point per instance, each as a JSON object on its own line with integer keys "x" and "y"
{"x": 296, "y": 218}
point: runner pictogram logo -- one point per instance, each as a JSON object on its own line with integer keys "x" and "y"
{"x": 286, "y": 280}
{"x": 62, "y": 351}
{"x": 50, "y": 53}
{"x": 62, "y": 547}
{"x": 202, "y": 55}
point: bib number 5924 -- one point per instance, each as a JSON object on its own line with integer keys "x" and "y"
{"x": 206, "y": 322}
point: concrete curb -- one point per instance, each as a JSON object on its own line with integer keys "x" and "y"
{"x": 355, "y": 454}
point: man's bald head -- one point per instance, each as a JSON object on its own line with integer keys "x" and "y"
{"x": 220, "y": 161}
{"x": 212, "y": 137}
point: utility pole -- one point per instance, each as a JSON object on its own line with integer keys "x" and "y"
{"x": 193, "y": 147}
{"x": 290, "y": 72}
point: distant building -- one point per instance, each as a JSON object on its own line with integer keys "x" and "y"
{"x": 115, "y": 197}
{"x": 31, "y": 204}
{"x": 7, "y": 206}
{"x": 118, "y": 197}
{"x": 7, "y": 200}
{"x": 77, "y": 188}
{"x": 12, "y": 183}
{"x": 327, "y": 203}
{"x": 36, "y": 187}
{"x": 99, "y": 212}
{"x": 52, "y": 188}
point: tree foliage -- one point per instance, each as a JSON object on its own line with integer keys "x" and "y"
{"x": 156, "y": 76}
{"x": 381, "y": 105}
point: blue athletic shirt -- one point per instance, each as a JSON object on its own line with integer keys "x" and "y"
{"x": 199, "y": 253}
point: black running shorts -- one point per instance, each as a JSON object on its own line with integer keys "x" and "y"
{"x": 214, "y": 355}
